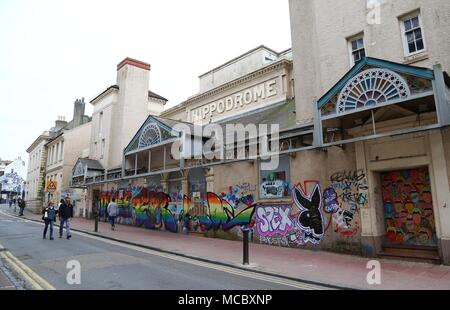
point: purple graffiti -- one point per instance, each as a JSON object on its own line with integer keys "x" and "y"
{"x": 331, "y": 204}
{"x": 273, "y": 220}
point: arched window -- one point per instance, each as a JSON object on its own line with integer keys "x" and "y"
{"x": 370, "y": 88}
{"x": 150, "y": 135}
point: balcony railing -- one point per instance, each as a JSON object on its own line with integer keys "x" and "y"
{"x": 114, "y": 175}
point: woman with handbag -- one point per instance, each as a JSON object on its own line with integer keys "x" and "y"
{"x": 49, "y": 217}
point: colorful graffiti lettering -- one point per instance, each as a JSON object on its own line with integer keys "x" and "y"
{"x": 236, "y": 198}
{"x": 218, "y": 213}
{"x": 295, "y": 224}
{"x": 142, "y": 208}
{"x": 274, "y": 220}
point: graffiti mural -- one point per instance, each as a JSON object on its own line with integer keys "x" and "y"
{"x": 346, "y": 195}
{"x": 239, "y": 194}
{"x": 295, "y": 224}
{"x": 408, "y": 208}
{"x": 310, "y": 220}
{"x": 274, "y": 220}
{"x": 217, "y": 214}
{"x": 275, "y": 186}
{"x": 276, "y": 225}
{"x": 142, "y": 208}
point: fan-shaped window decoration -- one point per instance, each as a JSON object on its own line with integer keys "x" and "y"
{"x": 150, "y": 135}
{"x": 372, "y": 87}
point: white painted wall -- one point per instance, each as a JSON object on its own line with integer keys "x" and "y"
{"x": 17, "y": 166}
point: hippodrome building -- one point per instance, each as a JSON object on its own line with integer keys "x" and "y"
{"x": 368, "y": 174}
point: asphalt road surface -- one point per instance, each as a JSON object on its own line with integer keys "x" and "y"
{"x": 109, "y": 265}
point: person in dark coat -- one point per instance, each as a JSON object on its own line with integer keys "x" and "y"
{"x": 22, "y": 206}
{"x": 65, "y": 213}
{"x": 49, "y": 217}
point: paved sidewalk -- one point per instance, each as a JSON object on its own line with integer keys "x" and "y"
{"x": 5, "y": 283}
{"x": 316, "y": 266}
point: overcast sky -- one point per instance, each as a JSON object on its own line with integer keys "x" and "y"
{"x": 53, "y": 52}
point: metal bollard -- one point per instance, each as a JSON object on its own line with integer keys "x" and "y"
{"x": 96, "y": 224}
{"x": 246, "y": 256}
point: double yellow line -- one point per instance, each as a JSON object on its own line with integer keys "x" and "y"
{"x": 24, "y": 272}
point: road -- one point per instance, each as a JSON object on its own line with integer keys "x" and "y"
{"x": 107, "y": 264}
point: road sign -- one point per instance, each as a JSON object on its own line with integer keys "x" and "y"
{"x": 51, "y": 186}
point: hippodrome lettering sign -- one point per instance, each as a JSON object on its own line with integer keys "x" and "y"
{"x": 239, "y": 100}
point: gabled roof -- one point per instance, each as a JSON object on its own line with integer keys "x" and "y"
{"x": 156, "y": 96}
{"x": 92, "y": 164}
{"x": 369, "y": 61}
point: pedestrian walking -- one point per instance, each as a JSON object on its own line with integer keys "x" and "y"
{"x": 113, "y": 211}
{"x": 15, "y": 204}
{"x": 186, "y": 222}
{"x": 49, "y": 217}
{"x": 10, "y": 202}
{"x": 22, "y": 206}
{"x": 65, "y": 213}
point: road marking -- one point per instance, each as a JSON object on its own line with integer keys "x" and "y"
{"x": 243, "y": 273}
{"x": 226, "y": 269}
{"x": 25, "y": 272}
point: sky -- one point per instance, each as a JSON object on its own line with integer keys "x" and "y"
{"x": 53, "y": 52}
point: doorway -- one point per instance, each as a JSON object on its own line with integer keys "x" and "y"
{"x": 408, "y": 209}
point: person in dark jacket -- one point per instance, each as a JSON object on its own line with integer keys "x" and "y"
{"x": 49, "y": 218}
{"x": 65, "y": 213}
{"x": 22, "y": 205}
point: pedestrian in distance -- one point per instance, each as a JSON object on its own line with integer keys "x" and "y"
{"x": 15, "y": 204}
{"x": 10, "y": 202}
{"x": 22, "y": 206}
{"x": 65, "y": 213}
{"x": 49, "y": 217}
{"x": 186, "y": 222}
{"x": 113, "y": 211}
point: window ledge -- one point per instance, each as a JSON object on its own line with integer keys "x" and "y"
{"x": 415, "y": 58}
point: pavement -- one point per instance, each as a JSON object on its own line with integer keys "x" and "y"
{"x": 5, "y": 281}
{"x": 319, "y": 267}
